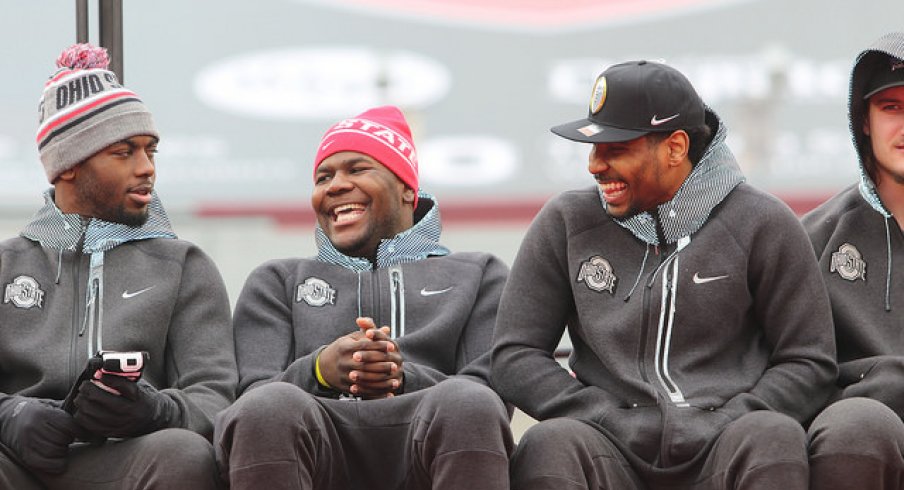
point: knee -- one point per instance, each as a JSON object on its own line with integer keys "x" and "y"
{"x": 464, "y": 415}
{"x": 561, "y": 433}
{"x": 272, "y": 405}
{"x": 856, "y": 425}
{"x": 179, "y": 456}
{"x": 466, "y": 401}
{"x": 767, "y": 422}
{"x": 769, "y": 433}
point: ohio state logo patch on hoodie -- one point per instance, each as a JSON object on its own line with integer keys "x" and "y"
{"x": 315, "y": 292}
{"x": 24, "y": 292}
{"x": 848, "y": 263}
{"x": 596, "y": 273}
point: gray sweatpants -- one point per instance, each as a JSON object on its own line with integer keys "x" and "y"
{"x": 760, "y": 451}
{"x": 167, "y": 459}
{"x": 857, "y": 444}
{"x": 454, "y": 435}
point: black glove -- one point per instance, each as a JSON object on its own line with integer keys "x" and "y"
{"x": 138, "y": 408}
{"x": 37, "y": 432}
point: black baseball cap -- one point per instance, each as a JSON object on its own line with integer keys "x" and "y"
{"x": 885, "y": 75}
{"x": 632, "y": 99}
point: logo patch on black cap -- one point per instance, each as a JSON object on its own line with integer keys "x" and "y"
{"x": 598, "y": 95}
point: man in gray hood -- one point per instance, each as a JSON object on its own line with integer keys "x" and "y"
{"x": 857, "y": 442}
{"x": 97, "y": 269}
{"x": 701, "y": 328}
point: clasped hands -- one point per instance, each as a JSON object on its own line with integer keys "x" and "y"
{"x": 366, "y": 363}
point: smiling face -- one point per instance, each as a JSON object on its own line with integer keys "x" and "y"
{"x": 884, "y": 124}
{"x": 639, "y": 174}
{"x": 114, "y": 184}
{"x": 359, "y": 202}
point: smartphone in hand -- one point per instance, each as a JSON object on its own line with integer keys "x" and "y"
{"x": 129, "y": 365}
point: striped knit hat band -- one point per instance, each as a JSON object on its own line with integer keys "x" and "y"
{"x": 84, "y": 109}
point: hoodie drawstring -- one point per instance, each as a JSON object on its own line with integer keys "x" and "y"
{"x": 639, "y": 273}
{"x": 888, "y": 268}
{"x": 59, "y": 267}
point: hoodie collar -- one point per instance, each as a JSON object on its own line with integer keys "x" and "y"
{"x": 57, "y": 230}
{"x": 715, "y": 175}
{"x": 416, "y": 243}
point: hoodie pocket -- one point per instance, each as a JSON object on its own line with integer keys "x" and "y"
{"x": 880, "y": 378}
{"x": 638, "y": 429}
{"x": 688, "y": 432}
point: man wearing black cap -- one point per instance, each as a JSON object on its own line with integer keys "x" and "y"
{"x": 701, "y": 327}
{"x": 856, "y": 443}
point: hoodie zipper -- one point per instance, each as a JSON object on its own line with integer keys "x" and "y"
{"x": 647, "y": 294}
{"x": 664, "y": 335}
{"x": 397, "y": 301}
{"x": 668, "y": 264}
{"x": 74, "y": 368}
{"x": 94, "y": 304}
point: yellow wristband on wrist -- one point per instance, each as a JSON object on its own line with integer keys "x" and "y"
{"x": 318, "y": 373}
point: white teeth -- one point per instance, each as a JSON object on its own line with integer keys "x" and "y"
{"x": 347, "y": 212}
{"x": 347, "y": 207}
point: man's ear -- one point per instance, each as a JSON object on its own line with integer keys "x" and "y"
{"x": 68, "y": 175}
{"x": 677, "y": 144}
{"x": 866, "y": 124}
{"x": 408, "y": 195}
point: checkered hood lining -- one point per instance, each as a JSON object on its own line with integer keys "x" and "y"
{"x": 416, "y": 243}
{"x": 712, "y": 179}
{"x": 53, "y": 229}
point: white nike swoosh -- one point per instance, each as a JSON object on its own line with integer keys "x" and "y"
{"x": 126, "y": 294}
{"x": 426, "y": 292}
{"x": 704, "y": 280}
{"x": 657, "y": 122}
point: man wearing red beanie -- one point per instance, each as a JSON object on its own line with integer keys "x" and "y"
{"x": 368, "y": 366}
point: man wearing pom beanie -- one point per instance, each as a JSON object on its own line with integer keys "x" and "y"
{"x": 100, "y": 269}
{"x": 368, "y": 366}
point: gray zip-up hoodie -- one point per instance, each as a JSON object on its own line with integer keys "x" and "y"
{"x": 441, "y": 307}
{"x": 681, "y": 320}
{"x": 73, "y": 286}
{"x": 860, "y": 248}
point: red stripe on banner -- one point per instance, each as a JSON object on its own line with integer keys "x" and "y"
{"x": 535, "y": 13}
{"x": 516, "y": 211}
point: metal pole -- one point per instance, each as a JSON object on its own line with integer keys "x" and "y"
{"x": 81, "y": 21}
{"x": 111, "y": 34}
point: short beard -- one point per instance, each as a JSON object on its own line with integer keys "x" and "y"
{"x": 130, "y": 219}
{"x": 117, "y": 214}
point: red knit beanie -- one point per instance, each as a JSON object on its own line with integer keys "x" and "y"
{"x": 381, "y": 133}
